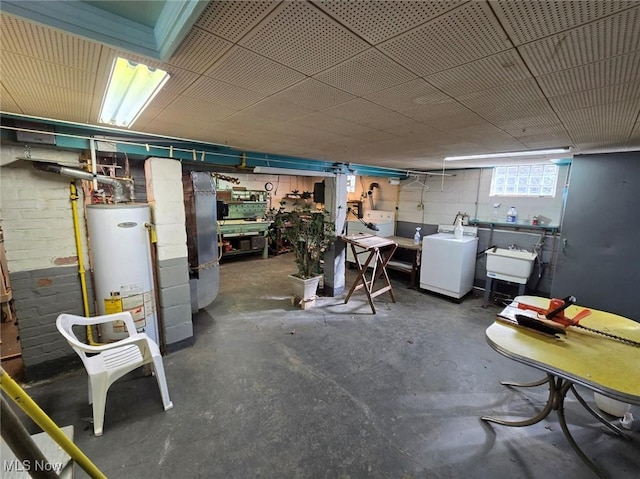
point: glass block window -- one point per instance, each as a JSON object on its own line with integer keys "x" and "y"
{"x": 524, "y": 180}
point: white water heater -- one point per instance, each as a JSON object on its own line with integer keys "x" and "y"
{"x": 123, "y": 273}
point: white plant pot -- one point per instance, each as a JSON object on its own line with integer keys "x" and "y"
{"x": 305, "y": 289}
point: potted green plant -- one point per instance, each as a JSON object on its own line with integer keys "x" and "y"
{"x": 309, "y": 233}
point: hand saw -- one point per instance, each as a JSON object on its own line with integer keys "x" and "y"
{"x": 556, "y": 314}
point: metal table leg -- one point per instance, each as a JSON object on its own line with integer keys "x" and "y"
{"x": 551, "y": 403}
{"x": 558, "y": 389}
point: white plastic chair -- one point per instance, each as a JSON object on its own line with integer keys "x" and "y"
{"x": 106, "y": 363}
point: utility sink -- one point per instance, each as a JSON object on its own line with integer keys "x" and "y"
{"x": 510, "y": 265}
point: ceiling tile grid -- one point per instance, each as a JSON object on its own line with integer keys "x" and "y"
{"x": 225, "y": 94}
{"x": 313, "y": 94}
{"x": 6, "y": 99}
{"x": 531, "y": 20}
{"x": 232, "y": 20}
{"x": 393, "y": 79}
{"x": 278, "y": 110}
{"x": 465, "y": 34}
{"x": 546, "y": 140}
{"x": 249, "y": 70}
{"x": 612, "y": 71}
{"x": 199, "y": 50}
{"x": 299, "y": 36}
{"x": 407, "y": 95}
{"x": 333, "y": 124}
{"x": 595, "y": 97}
{"x": 376, "y": 20}
{"x": 608, "y": 37}
{"x": 51, "y": 102}
{"x": 46, "y": 44}
{"x": 48, "y": 74}
{"x": 356, "y": 110}
{"x": 489, "y": 72}
{"x": 367, "y": 72}
{"x": 388, "y": 121}
{"x": 619, "y": 118}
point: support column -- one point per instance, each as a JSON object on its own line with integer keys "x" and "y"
{"x": 335, "y": 197}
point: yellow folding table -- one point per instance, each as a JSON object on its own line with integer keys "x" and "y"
{"x": 596, "y": 361}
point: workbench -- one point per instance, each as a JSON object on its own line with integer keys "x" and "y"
{"x": 244, "y": 237}
{"x": 412, "y": 267}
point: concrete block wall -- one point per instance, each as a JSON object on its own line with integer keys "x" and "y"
{"x": 165, "y": 196}
{"x": 42, "y": 256}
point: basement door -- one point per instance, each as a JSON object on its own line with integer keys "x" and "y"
{"x": 599, "y": 255}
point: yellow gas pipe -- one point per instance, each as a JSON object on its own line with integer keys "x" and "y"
{"x": 29, "y": 406}
{"x": 83, "y": 282}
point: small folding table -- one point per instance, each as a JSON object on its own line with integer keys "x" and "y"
{"x": 380, "y": 250}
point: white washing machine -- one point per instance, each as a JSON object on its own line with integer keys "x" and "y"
{"x": 448, "y": 265}
{"x": 384, "y": 221}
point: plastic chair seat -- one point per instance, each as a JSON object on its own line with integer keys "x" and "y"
{"x": 106, "y": 363}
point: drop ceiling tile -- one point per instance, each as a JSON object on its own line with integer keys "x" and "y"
{"x": 534, "y": 124}
{"x": 495, "y": 70}
{"x": 462, "y": 35}
{"x": 167, "y": 126}
{"x": 232, "y": 20}
{"x": 377, "y": 21}
{"x": 529, "y": 21}
{"x": 278, "y": 109}
{"x": 198, "y": 51}
{"x": 375, "y": 136}
{"x": 46, "y": 73}
{"x": 7, "y": 102}
{"x": 313, "y": 94}
{"x": 612, "y": 71}
{"x": 387, "y": 121}
{"x": 357, "y": 110}
{"x": 367, "y": 72}
{"x": 325, "y": 122}
{"x": 300, "y": 36}
{"x": 221, "y": 93}
{"x": 599, "y": 96}
{"x": 602, "y": 121}
{"x": 507, "y": 100}
{"x": 417, "y": 129}
{"x": 546, "y": 140}
{"x": 47, "y": 44}
{"x": 194, "y": 111}
{"x": 248, "y": 70}
{"x": 608, "y": 37}
{"x": 449, "y": 113}
{"x": 52, "y": 102}
{"x": 407, "y": 95}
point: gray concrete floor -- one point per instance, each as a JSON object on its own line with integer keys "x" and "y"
{"x": 272, "y": 391}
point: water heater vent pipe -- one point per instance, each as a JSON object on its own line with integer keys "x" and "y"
{"x": 118, "y": 189}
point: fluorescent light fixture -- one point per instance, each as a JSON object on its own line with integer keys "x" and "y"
{"x": 552, "y": 151}
{"x": 288, "y": 171}
{"x": 130, "y": 89}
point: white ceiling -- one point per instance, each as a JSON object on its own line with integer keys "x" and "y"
{"x": 399, "y": 84}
